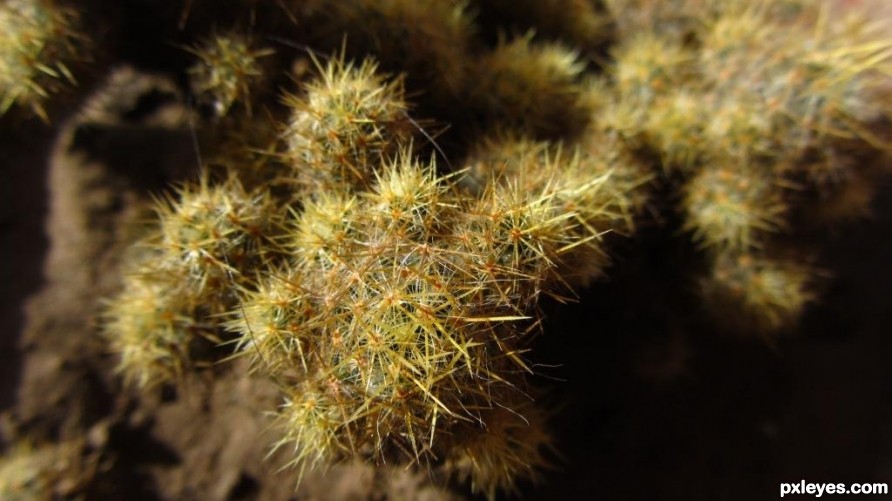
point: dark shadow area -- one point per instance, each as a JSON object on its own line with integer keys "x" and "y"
{"x": 733, "y": 418}
{"x": 134, "y": 452}
{"x": 246, "y": 488}
{"x": 23, "y": 242}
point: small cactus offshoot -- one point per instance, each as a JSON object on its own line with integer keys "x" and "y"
{"x": 349, "y": 120}
{"x": 227, "y": 68}
{"x": 38, "y": 42}
{"x": 43, "y": 472}
{"x": 773, "y": 293}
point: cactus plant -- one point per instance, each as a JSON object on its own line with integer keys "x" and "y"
{"x": 390, "y": 281}
{"x": 39, "y": 41}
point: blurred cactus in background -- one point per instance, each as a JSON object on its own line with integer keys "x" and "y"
{"x": 31, "y": 472}
{"x": 39, "y": 40}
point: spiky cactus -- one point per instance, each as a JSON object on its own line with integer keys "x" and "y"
{"x": 39, "y": 40}
{"x": 392, "y": 305}
{"x": 391, "y": 285}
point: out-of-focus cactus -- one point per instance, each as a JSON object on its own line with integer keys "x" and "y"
{"x": 39, "y": 40}
{"x": 763, "y": 115}
{"x": 228, "y": 67}
{"x": 390, "y": 284}
{"x": 533, "y": 88}
{"x": 31, "y": 472}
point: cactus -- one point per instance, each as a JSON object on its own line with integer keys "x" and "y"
{"x": 390, "y": 281}
{"x": 392, "y": 306}
{"x": 427, "y": 40}
{"x": 578, "y": 23}
{"x": 209, "y": 242}
{"x": 39, "y": 40}
{"x": 533, "y": 88}
{"x": 773, "y": 293}
{"x": 730, "y": 207}
{"x": 46, "y": 471}
{"x": 512, "y": 446}
{"x": 227, "y": 69}
{"x": 349, "y": 119}
{"x": 787, "y": 137}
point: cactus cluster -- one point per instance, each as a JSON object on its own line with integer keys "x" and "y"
{"x": 394, "y": 305}
{"x": 186, "y": 272}
{"x": 381, "y": 239}
{"x": 42, "y": 472}
{"x": 766, "y": 118}
{"x": 38, "y": 42}
{"x": 225, "y": 71}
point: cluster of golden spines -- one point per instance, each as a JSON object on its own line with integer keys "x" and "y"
{"x": 647, "y": 66}
{"x": 349, "y": 119}
{"x": 728, "y": 207}
{"x": 533, "y": 88}
{"x": 227, "y": 69}
{"x": 579, "y": 23}
{"x": 209, "y": 242}
{"x": 30, "y": 471}
{"x": 151, "y": 327}
{"x": 212, "y": 234}
{"x": 428, "y": 40}
{"x": 38, "y": 42}
{"x": 508, "y": 445}
{"x": 758, "y": 109}
{"x": 765, "y": 293}
{"x": 525, "y": 83}
{"x": 805, "y": 89}
{"x": 581, "y": 192}
{"x": 393, "y": 304}
{"x": 683, "y": 19}
{"x": 666, "y": 17}
{"x": 405, "y": 307}
{"x": 774, "y": 90}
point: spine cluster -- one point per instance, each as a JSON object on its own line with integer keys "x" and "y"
{"x": 388, "y": 273}
{"x": 393, "y": 304}
{"x": 39, "y": 40}
{"x": 45, "y": 471}
{"x": 765, "y": 117}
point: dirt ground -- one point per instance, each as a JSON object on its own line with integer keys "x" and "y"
{"x": 651, "y": 402}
